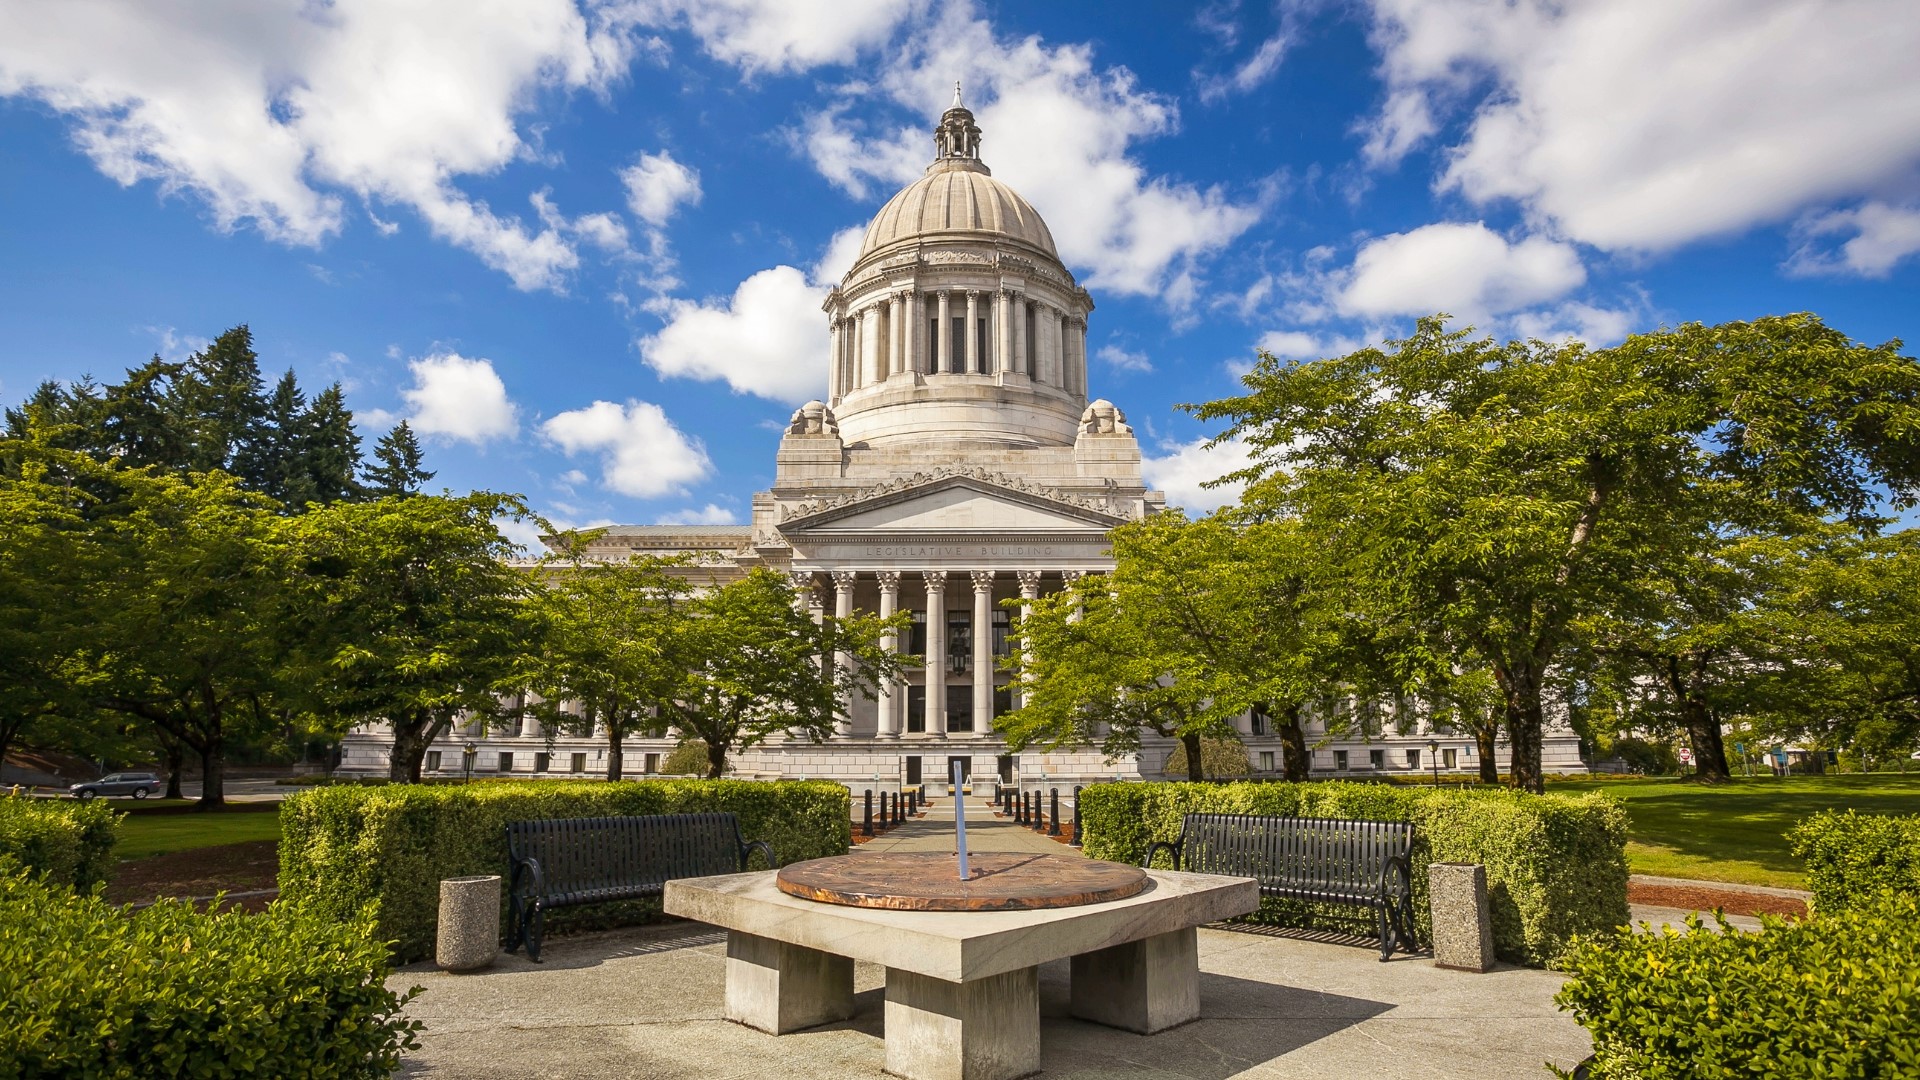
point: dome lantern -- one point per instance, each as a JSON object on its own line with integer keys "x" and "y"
{"x": 958, "y": 137}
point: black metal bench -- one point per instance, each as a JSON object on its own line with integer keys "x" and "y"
{"x": 570, "y": 862}
{"x": 1322, "y": 860}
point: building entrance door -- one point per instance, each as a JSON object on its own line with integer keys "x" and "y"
{"x": 913, "y": 771}
{"x": 966, "y": 769}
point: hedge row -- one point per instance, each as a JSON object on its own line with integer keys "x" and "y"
{"x": 345, "y": 847}
{"x": 70, "y": 842}
{"x": 1853, "y": 858}
{"x": 88, "y": 989}
{"x": 1837, "y": 995}
{"x": 1556, "y": 864}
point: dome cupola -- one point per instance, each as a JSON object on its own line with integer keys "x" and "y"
{"x": 958, "y": 322}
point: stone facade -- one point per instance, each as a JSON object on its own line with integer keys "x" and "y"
{"x": 954, "y": 463}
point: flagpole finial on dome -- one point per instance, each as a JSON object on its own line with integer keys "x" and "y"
{"x": 956, "y": 95}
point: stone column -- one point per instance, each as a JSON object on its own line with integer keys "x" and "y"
{"x": 1029, "y": 592}
{"x": 802, "y": 582}
{"x": 895, "y": 335}
{"x": 1045, "y": 341}
{"x": 936, "y": 665}
{"x": 833, "y": 367}
{"x": 943, "y": 334}
{"x": 982, "y": 651}
{"x": 1075, "y": 329}
{"x": 916, "y": 333}
{"x": 876, "y": 345}
{"x": 888, "y": 725}
{"x": 842, "y": 607}
{"x": 1022, "y": 363}
{"x": 1057, "y": 346}
{"x": 973, "y": 331}
{"x": 1002, "y": 337}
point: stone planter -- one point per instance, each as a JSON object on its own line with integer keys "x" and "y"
{"x": 469, "y": 937}
{"x": 1462, "y": 918}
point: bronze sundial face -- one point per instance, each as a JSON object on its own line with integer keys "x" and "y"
{"x": 930, "y": 881}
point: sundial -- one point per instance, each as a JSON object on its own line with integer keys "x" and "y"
{"x": 935, "y": 881}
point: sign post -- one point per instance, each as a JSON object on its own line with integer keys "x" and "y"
{"x": 959, "y": 821}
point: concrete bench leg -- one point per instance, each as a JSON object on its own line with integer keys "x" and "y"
{"x": 1143, "y": 986}
{"x": 776, "y": 988}
{"x": 988, "y": 1029}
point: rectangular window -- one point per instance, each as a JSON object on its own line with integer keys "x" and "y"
{"x": 959, "y": 641}
{"x": 933, "y": 343}
{"x": 578, "y": 764}
{"x": 917, "y": 635}
{"x": 913, "y": 771}
{"x": 958, "y": 363}
{"x": 1006, "y": 768}
{"x": 433, "y": 761}
{"x": 916, "y": 708}
{"x": 1002, "y": 699}
{"x": 506, "y": 761}
{"x": 1257, "y": 723}
{"x": 960, "y": 708}
{"x": 1002, "y": 629}
{"x": 540, "y": 761}
{"x": 1266, "y": 761}
{"x": 1033, "y": 354}
{"x": 980, "y": 328}
{"x": 1377, "y": 759}
{"x": 1449, "y": 759}
{"x": 650, "y": 764}
{"x": 1340, "y": 760}
{"x": 1413, "y": 759}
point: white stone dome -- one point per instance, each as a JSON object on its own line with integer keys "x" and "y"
{"x": 957, "y": 195}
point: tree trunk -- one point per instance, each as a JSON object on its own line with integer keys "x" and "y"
{"x": 403, "y": 761}
{"x": 1524, "y": 716}
{"x": 1485, "y": 736}
{"x": 176, "y": 762}
{"x": 1703, "y": 728}
{"x": 614, "y": 760}
{"x": 1196, "y": 768}
{"x": 716, "y": 761}
{"x": 1294, "y": 760}
{"x": 213, "y": 777}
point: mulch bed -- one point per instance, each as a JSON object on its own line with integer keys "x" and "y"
{"x": 199, "y": 872}
{"x": 1703, "y": 898}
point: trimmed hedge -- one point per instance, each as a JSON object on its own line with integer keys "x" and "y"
{"x": 1556, "y": 864}
{"x": 1835, "y": 996}
{"x": 1854, "y": 858}
{"x": 70, "y": 842}
{"x": 88, "y": 989}
{"x": 345, "y": 847}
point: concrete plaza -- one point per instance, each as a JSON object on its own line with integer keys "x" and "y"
{"x": 648, "y": 1002}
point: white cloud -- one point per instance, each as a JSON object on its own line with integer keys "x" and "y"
{"x": 657, "y": 185}
{"x": 768, "y": 339}
{"x": 1644, "y": 124}
{"x": 1575, "y": 321}
{"x": 1123, "y": 360}
{"x": 1299, "y": 345}
{"x": 1057, "y": 129}
{"x": 710, "y": 514}
{"x": 780, "y": 35}
{"x": 1464, "y": 269}
{"x": 1883, "y": 235}
{"x": 840, "y": 255}
{"x": 270, "y": 112}
{"x": 641, "y": 452}
{"x": 459, "y": 398}
{"x": 1184, "y": 467}
{"x": 1257, "y": 69}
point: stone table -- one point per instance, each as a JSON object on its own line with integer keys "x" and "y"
{"x": 963, "y": 994}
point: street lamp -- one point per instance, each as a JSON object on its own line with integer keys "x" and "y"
{"x": 1433, "y": 754}
{"x": 466, "y": 757}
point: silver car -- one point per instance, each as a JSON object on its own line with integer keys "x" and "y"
{"x": 137, "y": 784}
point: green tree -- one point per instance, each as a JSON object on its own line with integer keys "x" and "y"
{"x": 750, "y": 667}
{"x": 406, "y": 612}
{"x": 1494, "y": 494}
{"x": 397, "y": 460}
{"x": 609, "y": 633}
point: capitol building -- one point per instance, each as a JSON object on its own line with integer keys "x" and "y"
{"x": 956, "y": 461}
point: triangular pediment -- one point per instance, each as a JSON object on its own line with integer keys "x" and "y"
{"x": 951, "y": 504}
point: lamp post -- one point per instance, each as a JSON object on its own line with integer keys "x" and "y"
{"x": 1433, "y": 755}
{"x": 466, "y": 758}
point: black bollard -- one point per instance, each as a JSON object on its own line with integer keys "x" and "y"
{"x": 1039, "y": 812}
{"x": 866, "y": 826}
{"x": 913, "y": 803}
{"x": 1020, "y": 815}
{"x": 1076, "y": 815}
{"x": 1053, "y": 826}
{"x": 890, "y": 808}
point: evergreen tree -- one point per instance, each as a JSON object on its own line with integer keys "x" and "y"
{"x": 398, "y": 471}
{"x": 222, "y": 404}
{"x": 328, "y": 451}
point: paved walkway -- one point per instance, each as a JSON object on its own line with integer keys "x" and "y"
{"x": 984, "y": 833}
{"x": 648, "y": 1002}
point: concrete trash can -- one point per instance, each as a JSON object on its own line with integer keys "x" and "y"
{"x": 1462, "y": 917}
{"x": 469, "y": 937}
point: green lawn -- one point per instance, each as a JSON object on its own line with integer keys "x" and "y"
{"x": 1736, "y": 832}
{"x": 144, "y": 833}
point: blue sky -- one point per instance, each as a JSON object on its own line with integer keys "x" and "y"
{"x": 583, "y": 245}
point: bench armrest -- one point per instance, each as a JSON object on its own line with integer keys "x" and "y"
{"x": 747, "y": 849}
{"x": 1154, "y": 848}
{"x": 529, "y": 866}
